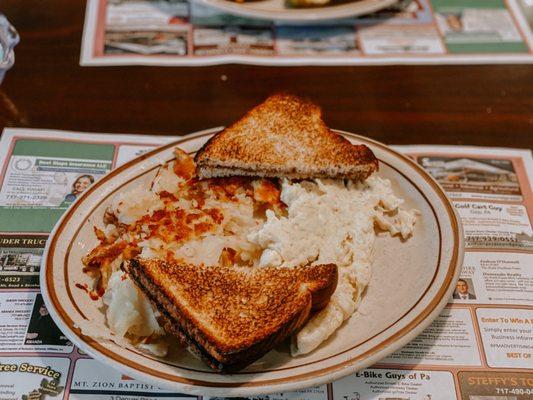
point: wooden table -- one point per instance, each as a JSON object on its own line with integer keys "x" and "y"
{"x": 479, "y": 105}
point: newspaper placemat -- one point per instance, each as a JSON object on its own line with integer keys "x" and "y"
{"x": 178, "y": 32}
{"x": 479, "y": 348}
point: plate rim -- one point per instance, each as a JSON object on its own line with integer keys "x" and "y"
{"x": 315, "y": 378}
{"x": 313, "y": 14}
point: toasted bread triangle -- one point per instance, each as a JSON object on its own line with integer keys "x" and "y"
{"x": 284, "y": 136}
{"x": 232, "y": 316}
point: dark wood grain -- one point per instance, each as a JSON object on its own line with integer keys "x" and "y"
{"x": 480, "y": 105}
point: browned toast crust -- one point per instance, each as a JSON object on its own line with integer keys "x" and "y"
{"x": 230, "y": 317}
{"x": 285, "y": 136}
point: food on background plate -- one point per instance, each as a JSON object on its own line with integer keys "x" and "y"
{"x": 308, "y": 3}
{"x": 275, "y": 194}
{"x": 297, "y": 3}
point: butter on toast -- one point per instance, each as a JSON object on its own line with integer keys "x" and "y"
{"x": 285, "y": 136}
{"x": 232, "y": 316}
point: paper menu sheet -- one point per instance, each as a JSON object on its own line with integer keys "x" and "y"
{"x": 181, "y": 32}
{"x": 479, "y": 348}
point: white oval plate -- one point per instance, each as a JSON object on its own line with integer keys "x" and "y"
{"x": 411, "y": 282}
{"x": 278, "y": 9}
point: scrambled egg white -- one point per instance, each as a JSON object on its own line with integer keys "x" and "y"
{"x": 331, "y": 222}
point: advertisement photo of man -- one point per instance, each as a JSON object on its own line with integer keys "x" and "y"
{"x": 462, "y": 291}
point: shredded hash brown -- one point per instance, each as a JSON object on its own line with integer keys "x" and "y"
{"x": 193, "y": 210}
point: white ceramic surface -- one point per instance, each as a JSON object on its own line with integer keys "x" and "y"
{"x": 412, "y": 281}
{"x": 280, "y": 11}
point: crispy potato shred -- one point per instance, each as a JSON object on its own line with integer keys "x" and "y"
{"x": 174, "y": 222}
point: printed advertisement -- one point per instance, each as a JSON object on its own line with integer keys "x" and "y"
{"x": 92, "y": 380}
{"x": 398, "y": 39}
{"x": 179, "y": 32}
{"x": 317, "y": 40}
{"x": 495, "y": 278}
{"x": 43, "y": 177}
{"x": 318, "y": 393}
{"x": 127, "y": 152}
{"x": 449, "y": 340}
{"x": 27, "y": 326}
{"x": 479, "y": 347}
{"x": 493, "y": 225}
{"x": 488, "y": 385}
{"x": 20, "y": 260}
{"x": 507, "y": 336}
{"x": 371, "y": 384}
{"x": 481, "y": 178}
{"x": 471, "y": 26}
{"x": 29, "y": 378}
